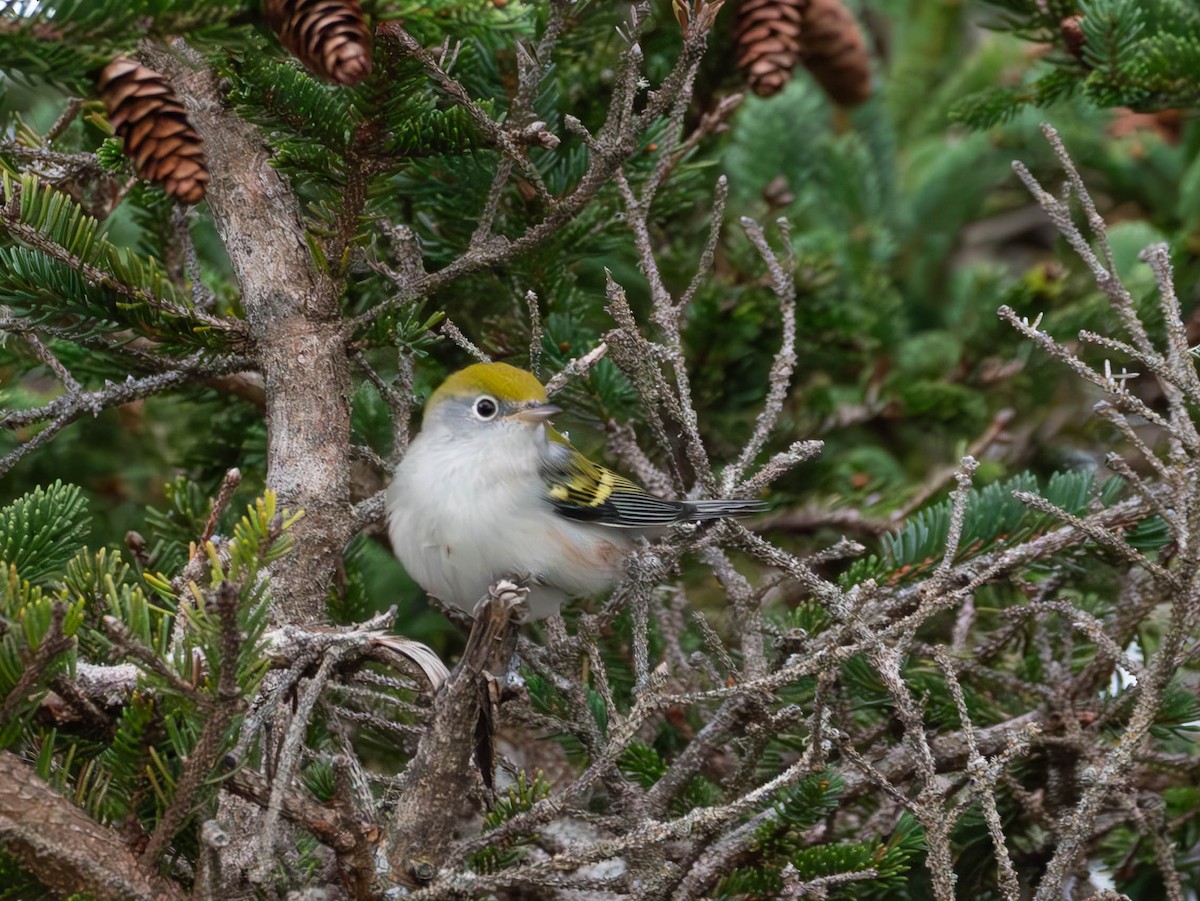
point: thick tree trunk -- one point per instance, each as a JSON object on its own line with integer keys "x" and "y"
{"x": 298, "y": 341}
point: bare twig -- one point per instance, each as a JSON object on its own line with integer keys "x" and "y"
{"x": 984, "y": 778}
{"x": 780, "y": 378}
{"x": 227, "y": 704}
{"x": 616, "y": 141}
{"x": 64, "y": 410}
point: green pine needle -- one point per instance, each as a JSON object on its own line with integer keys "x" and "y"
{"x": 42, "y": 530}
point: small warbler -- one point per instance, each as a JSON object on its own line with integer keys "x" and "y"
{"x": 489, "y": 490}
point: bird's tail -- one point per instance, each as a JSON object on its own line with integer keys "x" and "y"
{"x": 700, "y": 511}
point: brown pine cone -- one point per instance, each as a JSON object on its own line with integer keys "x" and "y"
{"x": 1071, "y": 29}
{"x": 835, "y": 52}
{"x": 768, "y": 38}
{"x": 149, "y": 118}
{"x": 329, "y": 36}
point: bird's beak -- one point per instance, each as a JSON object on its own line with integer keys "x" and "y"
{"x": 536, "y": 413}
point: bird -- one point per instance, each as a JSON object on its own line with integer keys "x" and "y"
{"x": 488, "y": 489}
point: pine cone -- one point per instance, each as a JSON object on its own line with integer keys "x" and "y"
{"x": 1071, "y": 29}
{"x": 146, "y": 113}
{"x": 329, "y": 36}
{"x": 835, "y": 52}
{"x": 768, "y": 34}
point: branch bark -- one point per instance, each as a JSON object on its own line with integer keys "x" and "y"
{"x": 432, "y": 794}
{"x": 63, "y": 847}
{"x": 297, "y": 334}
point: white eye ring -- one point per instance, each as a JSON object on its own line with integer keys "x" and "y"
{"x": 485, "y": 408}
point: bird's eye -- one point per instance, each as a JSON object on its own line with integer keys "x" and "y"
{"x": 485, "y": 408}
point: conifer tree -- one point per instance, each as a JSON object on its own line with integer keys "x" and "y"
{"x": 243, "y": 240}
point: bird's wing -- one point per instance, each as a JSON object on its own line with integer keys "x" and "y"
{"x": 585, "y": 491}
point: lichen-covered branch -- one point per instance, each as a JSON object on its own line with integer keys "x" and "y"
{"x": 64, "y": 847}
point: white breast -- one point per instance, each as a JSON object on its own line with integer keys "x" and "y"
{"x": 461, "y": 517}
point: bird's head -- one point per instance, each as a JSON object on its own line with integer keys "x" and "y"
{"x": 486, "y": 396}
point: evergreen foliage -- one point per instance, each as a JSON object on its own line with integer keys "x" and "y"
{"x": 993, "y": 515}
{"x": 876, "y": 869}
{"x": 53, "y": 606}
{"x": 42, "y": 530}
{"x": 521, "y": 796}
{"x": 112, "y": 288}
{"x": 131, "y": 364}
{"x": 1112, "y": 52}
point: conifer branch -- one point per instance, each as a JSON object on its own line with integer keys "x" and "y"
{"x": 983, "y": 777}
{"x": 432, "y": 787}
{"x": 44, "y": 354}
{"x": 502, "y": 138}
{"x": 399, "y": 398}
{"x": 64, "y": 410}
{"x": 11, "y": 223}
{"x": 331, "y": 828}
{"x": 77, "y": 165}
{"x": 1176, "y": 374}
{"x": 35, "y": 668}
{"x": 616, "y": 141}
{"x": 699, "y": 821}
{"x": 927, "y": 806}
{"x": 666, "y": 315}
{"x": 222, "y": 710}
{"x": 66, "y": 849}
{"x": 781, "y": 270}
{"x": 289, "y": 757}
